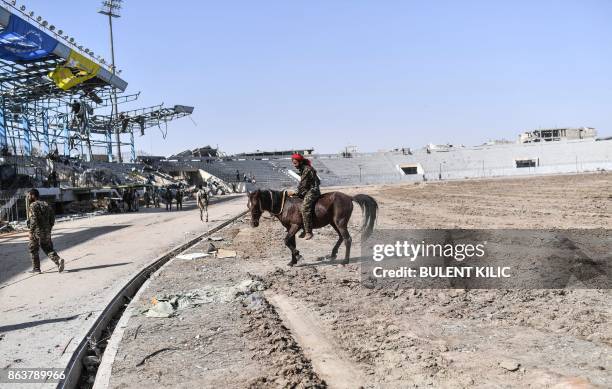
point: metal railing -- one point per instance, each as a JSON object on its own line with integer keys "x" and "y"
{"x": 9, "y": 205}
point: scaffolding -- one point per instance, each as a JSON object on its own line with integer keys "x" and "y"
{"x": 39, "y": 117}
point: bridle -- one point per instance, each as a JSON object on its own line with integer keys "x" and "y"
{"x": 271, "y": 210}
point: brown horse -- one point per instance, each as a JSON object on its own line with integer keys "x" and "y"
{"x": 333, "y": 208}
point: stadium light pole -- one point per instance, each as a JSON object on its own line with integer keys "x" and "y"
{"x": 111, "y": 8}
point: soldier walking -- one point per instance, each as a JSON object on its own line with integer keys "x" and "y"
{"x": 41, "y": 219}
{"x": 202, "y": 200}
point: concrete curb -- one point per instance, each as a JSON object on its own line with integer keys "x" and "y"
{"x": 74, "y": 367}
{"x": 106, "y": 364}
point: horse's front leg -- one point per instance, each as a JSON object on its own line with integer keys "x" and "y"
{"x": 290, "y": 242}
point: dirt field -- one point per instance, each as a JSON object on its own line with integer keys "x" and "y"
{"x": 263, "y": 324}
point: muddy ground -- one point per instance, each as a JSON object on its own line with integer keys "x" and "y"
{"x": 266, "y": 325}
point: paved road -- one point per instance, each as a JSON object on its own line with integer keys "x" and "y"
{"x": 44, "y": 317}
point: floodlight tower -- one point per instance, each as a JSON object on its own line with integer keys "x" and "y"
{"x": 112, "y": 9}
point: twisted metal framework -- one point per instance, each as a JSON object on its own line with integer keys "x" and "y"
{"x": 37, "y": 117}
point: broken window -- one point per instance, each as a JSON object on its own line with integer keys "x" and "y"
{"x": 526, "y": 163}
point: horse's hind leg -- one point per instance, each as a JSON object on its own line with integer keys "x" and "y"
{"x": 334, "y": 252}
{"x": 347, "y": 242}
{"x": 290, "y": 242}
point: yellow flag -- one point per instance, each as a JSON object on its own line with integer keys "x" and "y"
{"x": 77, "y": 69}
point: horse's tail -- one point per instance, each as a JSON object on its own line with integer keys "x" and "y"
{"x": 369, "y": 209}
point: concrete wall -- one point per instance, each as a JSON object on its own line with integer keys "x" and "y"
{"x": 468, "y": 162}
{"x": 496, "y": 160}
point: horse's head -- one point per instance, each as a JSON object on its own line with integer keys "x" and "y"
{"x": 254, "y": 206}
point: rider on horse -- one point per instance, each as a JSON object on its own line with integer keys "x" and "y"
{"x": 308, "y": 190}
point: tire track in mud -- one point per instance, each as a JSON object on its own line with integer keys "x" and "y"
{"x": 288, "y": 365}
{"x": 327, "y": 358}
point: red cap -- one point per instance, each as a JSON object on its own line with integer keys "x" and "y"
{"x": 300, "y": 158}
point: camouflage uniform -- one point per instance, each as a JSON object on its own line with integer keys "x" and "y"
{"x": 147, "y": 198}
{"x": 156, "y": 198}
{"x": 202, "y": 200}
{"x": 308, "y": 189}
{"x": 179, "y": 199}
{"x": 168, "y": 199}
{"x": 41, "y": 220}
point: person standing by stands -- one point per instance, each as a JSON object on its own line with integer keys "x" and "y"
{"x": 136, "y": 200}
{"x": 168, "y": 199}
{"x": 127, "y": 205}
{"x": 147, "y": 198}
{"x": 237, "y": 175}
{"x": 41, "y": 219}
{"x": 179, "y": 199}
{"x": 156, "y": 197}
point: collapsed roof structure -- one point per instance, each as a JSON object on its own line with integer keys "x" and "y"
{"x": 55, "y": 95}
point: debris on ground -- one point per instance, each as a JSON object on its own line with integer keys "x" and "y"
{"x": 248, "y": 287}
{"x": 151, "y": 355}
{"x": 4, "y": 228}
{"x": 509, "y": 364}
{"x": 168, "y": 305}
{"x": 215, "y": 238}
{"x": 83, "y": 206}
{"x": 211, "y": 248}
{"x": 225, "y": 253}
{"x": 192, "y": 256}
{"x": 255, "y": 302}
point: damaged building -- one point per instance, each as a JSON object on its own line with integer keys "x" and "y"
{"x": 557, "y": 134}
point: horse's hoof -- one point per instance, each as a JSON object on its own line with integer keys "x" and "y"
{"x": 291, "y": 263}
{"x": 330, "y": 257}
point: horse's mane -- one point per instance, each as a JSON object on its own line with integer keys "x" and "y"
{"x": 275, "y": 195}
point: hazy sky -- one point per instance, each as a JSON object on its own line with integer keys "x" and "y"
{"x": 376, "y": 74}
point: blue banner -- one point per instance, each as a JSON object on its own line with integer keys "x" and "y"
{"x": 21, "y": 41}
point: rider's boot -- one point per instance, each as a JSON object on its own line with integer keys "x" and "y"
{"x": 302, "y": 234}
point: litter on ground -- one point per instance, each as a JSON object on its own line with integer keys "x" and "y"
{"x": 225, "y": 253}
{"x": 168, "y": 305}
{"x": 192, "y": 256}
